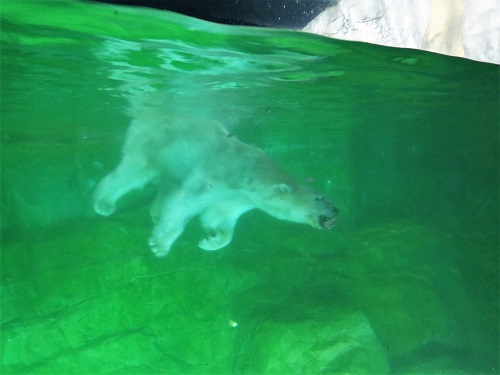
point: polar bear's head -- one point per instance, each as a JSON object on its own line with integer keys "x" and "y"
{"x": 299, "y": 204}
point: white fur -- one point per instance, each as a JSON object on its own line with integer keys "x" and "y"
{"x": 211, "y": 174}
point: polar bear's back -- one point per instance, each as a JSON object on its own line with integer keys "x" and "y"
{"x": 193, "y": 144}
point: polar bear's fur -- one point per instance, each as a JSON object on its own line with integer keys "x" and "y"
{"x": 204, "y": 170}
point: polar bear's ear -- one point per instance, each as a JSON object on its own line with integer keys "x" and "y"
{"x": 284, "y": 188}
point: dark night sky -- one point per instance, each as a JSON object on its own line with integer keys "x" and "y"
{"x": 270, "y": 13}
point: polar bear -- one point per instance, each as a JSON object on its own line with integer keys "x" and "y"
{"x": 202, "y": 169}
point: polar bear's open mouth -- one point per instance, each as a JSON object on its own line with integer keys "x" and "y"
{"x": 327, "y": 222}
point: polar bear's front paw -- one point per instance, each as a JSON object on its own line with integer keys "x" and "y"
{"x": 103, "y": 207}
{"x": 207, "y": 244}
{"x": 158, "y": 249}
{"x": 216, "y": 242}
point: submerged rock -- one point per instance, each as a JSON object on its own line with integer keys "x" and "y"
{"x": 337, "y": 342}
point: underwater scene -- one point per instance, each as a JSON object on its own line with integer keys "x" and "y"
{"x": 351, "y": 192}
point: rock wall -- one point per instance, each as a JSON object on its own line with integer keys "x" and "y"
{"x": 454, "y": 27}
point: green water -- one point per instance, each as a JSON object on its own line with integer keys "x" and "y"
{"x": 406, "y": 143}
